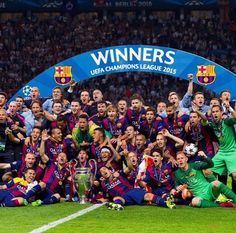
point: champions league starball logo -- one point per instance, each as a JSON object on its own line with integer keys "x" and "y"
{"x": 26, "y": 90}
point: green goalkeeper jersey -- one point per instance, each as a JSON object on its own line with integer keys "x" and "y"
{"x": 224, "y": 131}
{"x": 194, "y": 177}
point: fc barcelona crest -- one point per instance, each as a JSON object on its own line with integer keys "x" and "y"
{"x": 62, "y": 74}
{"x": 206, "y": 74}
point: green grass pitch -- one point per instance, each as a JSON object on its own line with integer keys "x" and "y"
{"x": 134, "y": 219}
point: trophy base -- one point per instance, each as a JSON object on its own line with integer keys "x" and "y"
{"x": 82, "y": 200}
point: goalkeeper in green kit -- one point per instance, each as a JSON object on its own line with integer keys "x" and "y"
{"x": 225, "y": 158}
{"x": 204, "y": 192}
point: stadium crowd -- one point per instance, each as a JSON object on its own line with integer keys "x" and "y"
{"x": 83, "y": 144}
{"x": 25, "y": 37}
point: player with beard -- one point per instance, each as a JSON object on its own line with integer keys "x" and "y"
{"x": 81, "y": 161}
{"x": 32, "y": 143}
{"x": 200, "y": 134}
{"x": 175, "y": 121}
{"x": 122, "y": 107}
{"x": 17, "y": 121}
{"x": 136, "y": 113}
{"x": 132, "y": 169}
{"x": 17, "y": 126}
{"x": 83, "y": 131}
{"x": 225, "y": 98}
{"x": 101, "y": 113}
{"x": 225, "y": 158}
{"x": 85, "y": 101}
{"x": 122, "y": 193}
{"x": 139, "y": 150}
{"x": 151, "y": 126}
{"x": 63, "y": 124}
{"x": 213, "y": 101}
{"x": 127, "y": 145}
{"x": 73, "y": 117}
{"x": 6, "y": 139}
{"x": 140, "y": 142}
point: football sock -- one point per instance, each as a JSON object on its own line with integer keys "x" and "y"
{"x": 67, "y": 189}
{"x": 223, "y": 179}
{"x": 50, "y": 200}
{"x": 227, "y": 191}
{"x": 210, "y": 178}
{"x": 12, "y": 203}
{"x": 234, "y": 184}
{"x": 32, "y": 192}
{"x": 205, "y": 204}
{"x": 158, "y": 200}
{"x": 180, "y": 201}
{"x": 118, "y": 201}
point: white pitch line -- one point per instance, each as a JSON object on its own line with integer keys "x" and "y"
{"x": 65, "y": 219}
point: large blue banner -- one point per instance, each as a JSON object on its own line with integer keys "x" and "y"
{"x": 57, "y": 5}
{"x": 133, "y": 58}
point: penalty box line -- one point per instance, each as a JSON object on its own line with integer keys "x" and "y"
{"x": 65, "y": 219}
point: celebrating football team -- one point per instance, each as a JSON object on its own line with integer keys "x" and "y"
{"x": 125, "y": 153}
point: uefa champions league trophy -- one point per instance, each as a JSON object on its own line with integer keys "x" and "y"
{"x": 82, "y": 182}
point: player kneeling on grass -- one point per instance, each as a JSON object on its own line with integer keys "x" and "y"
{"x": 204, "y": 192}
{"x": 159, "y": 175}
{"x": 13, "y": 192}
{"x": 119, "y": 189}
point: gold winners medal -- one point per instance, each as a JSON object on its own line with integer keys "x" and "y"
{"x": 119, "y": 125}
